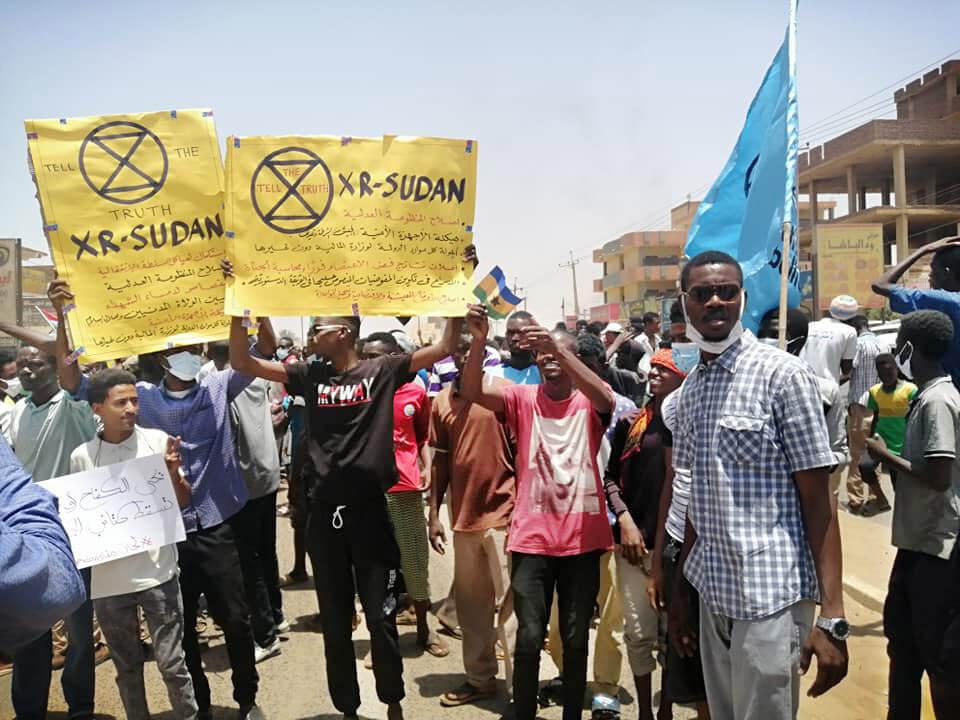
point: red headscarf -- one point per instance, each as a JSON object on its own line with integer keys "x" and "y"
{"x": 664, "y": 358}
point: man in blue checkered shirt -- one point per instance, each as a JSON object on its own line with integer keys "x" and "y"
{"x": 762, "y": 543}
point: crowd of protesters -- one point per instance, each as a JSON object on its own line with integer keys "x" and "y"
{"x": 677, "y": 489}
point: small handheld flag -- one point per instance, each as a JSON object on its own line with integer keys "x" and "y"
{"x": 493, "y": 292}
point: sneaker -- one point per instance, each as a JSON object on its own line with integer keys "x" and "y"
{"x": 262, "y": 653}
{"x": 283, "y": 627}
{"x": 605, "y": 707}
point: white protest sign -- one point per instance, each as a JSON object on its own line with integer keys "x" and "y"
{"x": 118, "y": 510}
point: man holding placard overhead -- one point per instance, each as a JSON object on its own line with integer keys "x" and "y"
{"x": 352, "y": 464}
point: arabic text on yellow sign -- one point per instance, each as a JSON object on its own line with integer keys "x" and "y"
{"x": 849, "y": 258}
{"x": 331, "y": 225}
{"x": 133, "y": 206}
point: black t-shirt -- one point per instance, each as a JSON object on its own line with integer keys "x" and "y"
{"x": 349, "y": 428}
{"x": 639, "y": 479}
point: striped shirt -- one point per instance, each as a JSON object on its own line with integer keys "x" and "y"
{"x": 443, "y": 373}
{"x": 864, "y": 375}
{"x": 746, "y": 422}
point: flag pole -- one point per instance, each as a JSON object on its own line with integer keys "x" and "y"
{"x": 784, "y": 279}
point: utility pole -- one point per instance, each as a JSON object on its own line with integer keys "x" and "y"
{"x": 573, "y": 269}
{"x": 517, "y": 290}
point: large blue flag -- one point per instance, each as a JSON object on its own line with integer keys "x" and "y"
{"x": 756, "y": 192}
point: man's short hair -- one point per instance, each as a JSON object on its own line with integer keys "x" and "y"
{"x": 7, "y": 357}
{"x": 520, "y": 315}
{"x": 929, "y": 331}
{"x": 595, "y": 328}
{"x": 676, "y": 313}
{"x": 650, "y": 317}
{"x": 590, "y": 346}
{"x": 798, "y": 324}
{"x": 99, "y": 384}
{"x": 383, "y": 337}
{"x": 860, "y": 323}
{"x": 949, "y": 258}
{"x": 709, "y": 257}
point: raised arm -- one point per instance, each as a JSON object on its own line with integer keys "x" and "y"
{"x": 243, "y": 362}
{"x": 266, "y": 337}
{"x": 471, "y": 382}
{"x": 886, "y": 281}
{"x": 69, "y": 373}
{"x": 425, "y": 358}
{"x": 32, "y": 338}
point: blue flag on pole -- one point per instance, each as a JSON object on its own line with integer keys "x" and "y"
{"x": 756, "y": 192}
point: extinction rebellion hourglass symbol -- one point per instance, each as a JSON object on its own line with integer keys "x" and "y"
{"x": 291, "y": 213}
{"x": 123, "y": 162}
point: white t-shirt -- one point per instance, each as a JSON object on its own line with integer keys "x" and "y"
{"x": 828, "y": 342}
{"x": 143, "y": 570}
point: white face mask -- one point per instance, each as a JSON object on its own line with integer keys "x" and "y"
{"x": 774, "y": 342}
{"x": 185, "y": 365}
{"x": 14, "y": 387}
{"x": 714, "y": 347}
{"x": 905, "y": 365}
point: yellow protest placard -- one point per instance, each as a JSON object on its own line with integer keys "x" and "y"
{"x": 339, "y": 226}
{"x": 133, "y": 206}
{"x": 849, "y": 258}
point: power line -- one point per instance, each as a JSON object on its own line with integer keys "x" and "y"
{"x": 894, "y": 84}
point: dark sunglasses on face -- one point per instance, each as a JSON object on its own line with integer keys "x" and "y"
{"x": 703, "y": 294}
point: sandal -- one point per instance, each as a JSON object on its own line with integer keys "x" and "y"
{"x": 434, "y": 646}
{"x": 467, "y": 693}
{"x": 407, "y": 617}
{"x": 291, "y": 579}
{"x": 454, "y": 632}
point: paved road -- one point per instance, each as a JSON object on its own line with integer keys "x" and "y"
{"x": 293, "y": 685}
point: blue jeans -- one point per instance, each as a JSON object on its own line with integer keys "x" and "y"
{"x": 32, "y": 667}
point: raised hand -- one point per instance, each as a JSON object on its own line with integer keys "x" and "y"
{"x": 477, "y": 322}
{"x": 58, "y": 291}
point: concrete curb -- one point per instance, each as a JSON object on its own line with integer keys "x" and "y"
{"x": 864, "y": 593}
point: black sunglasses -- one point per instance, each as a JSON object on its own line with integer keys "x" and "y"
{"x": 703, "y": 294}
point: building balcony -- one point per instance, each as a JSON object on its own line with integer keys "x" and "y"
{"x": 653, "y": 239}
{"x": 643, "y": 274}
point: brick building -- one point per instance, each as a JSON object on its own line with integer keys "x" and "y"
{"x": 903, "y": 172}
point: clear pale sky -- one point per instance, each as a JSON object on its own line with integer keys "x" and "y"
{"x": 592, "y": 118}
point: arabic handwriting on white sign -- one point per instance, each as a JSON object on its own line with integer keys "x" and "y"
{"x": 118, "y": 510}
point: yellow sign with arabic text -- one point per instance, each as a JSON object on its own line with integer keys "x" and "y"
{"x": 133, "y": 210}
{"x": 849, "y": 259}
{"x": 339, "y": 225}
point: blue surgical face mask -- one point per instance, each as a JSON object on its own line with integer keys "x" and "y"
{"x": 282, "y": 354}
{"x": 686, "y": 356}
{"x": 185, "y": 365}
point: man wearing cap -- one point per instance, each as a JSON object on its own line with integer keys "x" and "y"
{"x": 610, "y": 333}
{"x": 832, "y": 342}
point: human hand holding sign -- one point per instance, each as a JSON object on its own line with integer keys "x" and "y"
{"x": 58, "y": 292}
{"x": 181, "y": 487}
